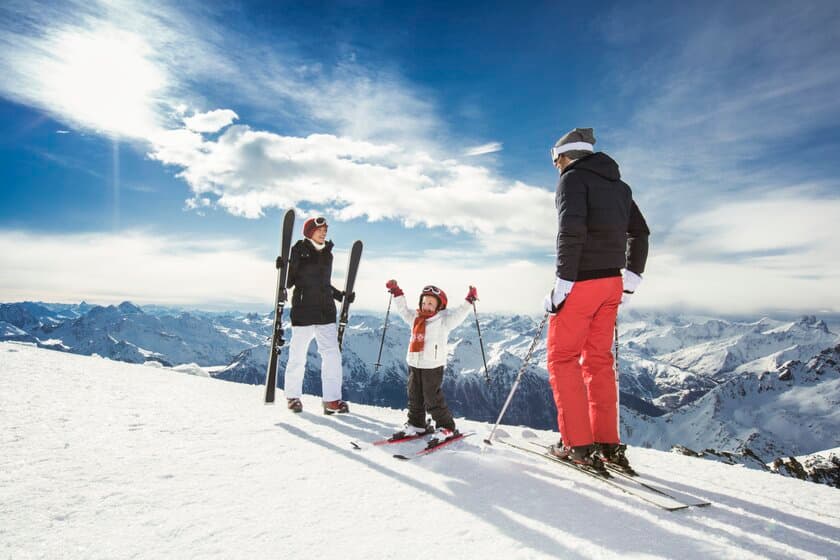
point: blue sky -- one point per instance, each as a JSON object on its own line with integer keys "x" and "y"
{"x": 148, "y": 150}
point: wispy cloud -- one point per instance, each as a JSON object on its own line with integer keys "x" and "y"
{"x": 82, "y": 70}
{"x": 736, "y": 103}
{"x": 488, "y": 148}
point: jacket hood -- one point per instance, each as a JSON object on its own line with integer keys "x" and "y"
{"x": 599, "y": 163}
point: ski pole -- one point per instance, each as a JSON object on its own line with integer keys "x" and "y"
{"x": 617, "y": 392}
{"x": 616, "y": 348}
{"x": 481, "y": 343}
{"x": 384, "y": 327}
{"x": 518, "y": 378}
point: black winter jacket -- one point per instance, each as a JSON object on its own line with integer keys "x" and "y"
{"x": 601, "y": 230}
{"x": 310, "y": 271}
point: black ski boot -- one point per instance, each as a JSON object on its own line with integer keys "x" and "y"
{"x": 614, "y": 455}
{"x": 582, "y": 455}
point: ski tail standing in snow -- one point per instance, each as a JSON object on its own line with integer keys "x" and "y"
{"x": 314, "y": 316}
{"x": 430, "y": 326}
{"x": 601, "y": 231}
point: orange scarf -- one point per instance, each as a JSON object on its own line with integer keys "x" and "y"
{"x": 418, "y": 331}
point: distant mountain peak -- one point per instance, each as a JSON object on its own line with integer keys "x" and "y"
{"x": 128, "y": 308}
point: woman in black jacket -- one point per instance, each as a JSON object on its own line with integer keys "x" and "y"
{"x": 314, "y": 316}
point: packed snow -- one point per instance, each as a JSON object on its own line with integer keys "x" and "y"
{"x": 104, "y": 459}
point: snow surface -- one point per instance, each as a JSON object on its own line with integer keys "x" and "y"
{"x": 103, "y": 459}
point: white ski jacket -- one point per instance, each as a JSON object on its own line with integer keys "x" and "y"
{"x": 435, "y": 347}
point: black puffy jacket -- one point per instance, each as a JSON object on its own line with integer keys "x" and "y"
{"x": 600, "y": 229}
{"x": 310, "y": 270}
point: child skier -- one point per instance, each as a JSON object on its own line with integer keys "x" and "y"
{"x": 430, "y": 325}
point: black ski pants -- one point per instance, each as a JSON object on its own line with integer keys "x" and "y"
{"x": 425, "y": 395}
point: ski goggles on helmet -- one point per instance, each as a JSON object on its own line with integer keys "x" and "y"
{"x": 431, "y": 290}
{"x": 320, "y": 221}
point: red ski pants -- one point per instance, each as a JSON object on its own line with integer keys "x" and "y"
{"x": 580, "y": 362}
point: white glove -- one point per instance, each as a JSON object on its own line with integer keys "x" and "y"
{"x": 631, "y": 284}
{"x": 558, "y": 295}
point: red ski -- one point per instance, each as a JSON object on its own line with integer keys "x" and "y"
{"x": 396, "y": 438}
{"x": 435, "y": 446}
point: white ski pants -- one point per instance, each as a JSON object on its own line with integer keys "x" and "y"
{"x": 326, "y": 336}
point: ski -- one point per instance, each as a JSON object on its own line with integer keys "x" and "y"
{"x": 637, "y": 479}
{"x": 640, "y": 480}
{"x": 627, "y": 486}
{"x": 391, "y": 440}
{"x": 277, "y": 342}
{"x": 431, "y": 448}
{"x": 352, "y": 268}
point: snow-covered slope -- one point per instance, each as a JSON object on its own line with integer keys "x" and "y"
{"x": 104, "y": 459}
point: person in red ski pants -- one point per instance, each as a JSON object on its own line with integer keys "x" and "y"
{"x": 600, "y": 231}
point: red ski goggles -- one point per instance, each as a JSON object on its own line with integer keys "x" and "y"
{"x": 432, "y": 290}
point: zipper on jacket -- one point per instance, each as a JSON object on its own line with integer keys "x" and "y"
{"x": 435, "y": 351}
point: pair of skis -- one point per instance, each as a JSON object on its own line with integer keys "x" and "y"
{"x": 281, "y": 295}
{"x": 633, "y": 485}
{"x": 431, "y": 446}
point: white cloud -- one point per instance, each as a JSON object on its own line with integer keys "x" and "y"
{"x": 249, "y": 171}
{"x": 130, "y": 266}
{"x": 226, "y": 272}
{"x": 211, "y": 121}
{"x": 488, "y": 148}
{"x": 776, "y": 252}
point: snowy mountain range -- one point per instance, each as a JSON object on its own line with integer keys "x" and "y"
{"x": 768, "y": 386}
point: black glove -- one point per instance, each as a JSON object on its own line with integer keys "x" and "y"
{"x": 351, "y": 297}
